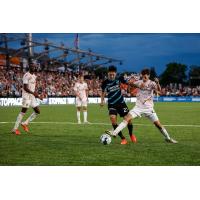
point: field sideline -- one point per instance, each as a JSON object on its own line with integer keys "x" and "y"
{"x": 56, "y": 139}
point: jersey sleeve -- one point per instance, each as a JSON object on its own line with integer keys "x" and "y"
{"x": 25, "y": 79}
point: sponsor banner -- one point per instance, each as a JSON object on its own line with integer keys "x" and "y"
{"x": 91, "y": 100}
{"x": 177, "y": 99}
{"x": 54, "y": 101}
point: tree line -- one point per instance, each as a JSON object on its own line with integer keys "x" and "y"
{"x": 178, "y": 73}
{"x": 174, "y": 73}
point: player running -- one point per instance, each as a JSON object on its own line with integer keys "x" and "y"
{"x": 28, "y": 99}
{"x": 81, "y": 91}
{"x": 144, "y": 105}
{"x": 116, "y": 103}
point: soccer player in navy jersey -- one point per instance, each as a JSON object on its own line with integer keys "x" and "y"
{"x": 116, "y": 103}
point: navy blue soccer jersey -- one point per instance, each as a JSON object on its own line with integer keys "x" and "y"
{"x": 112, "y": 88}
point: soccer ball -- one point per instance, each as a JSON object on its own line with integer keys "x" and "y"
{"x": 105, "y": 139}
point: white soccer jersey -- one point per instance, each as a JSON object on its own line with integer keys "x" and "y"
{"x": 30, "y": 80}
{"x": 145, "y": 95}
{"x": 81, "y": 88}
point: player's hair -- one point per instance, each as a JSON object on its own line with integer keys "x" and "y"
{"x": 112, "y": 68}
{"x": 145, "y": 71}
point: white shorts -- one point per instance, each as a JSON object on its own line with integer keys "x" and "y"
{"x": 29, "y": 101}
{"x": 147, "y": 112}
{"x": 80, "y": 103}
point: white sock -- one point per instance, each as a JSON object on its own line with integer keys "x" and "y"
{"x": 18, "y": 120}
{"x": 30, "y": 118}
{"x": 85, "y": 116}
{"x": 165, "y": 133}
{"x": 121, "y": 126}
{"x": 78, "y": 116}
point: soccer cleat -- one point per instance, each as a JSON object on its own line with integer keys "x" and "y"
{"x": 170, "y": 140}
{"x": 124, "y": 141}
{"x": 79, "y": 122}
{"x": 16, "y": 132}
{"x": 110, "y": 133}
{"x": 133, "y": 138}
{"x": 25, "y": 127}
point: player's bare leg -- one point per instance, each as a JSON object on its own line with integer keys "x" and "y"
{"x": 130, "y": 130}
{"x": 164, "y": 132}
{"x": 79, "y": 115}
{"x": 113, "y": 119}
{"x": 18, "y": 121}
{"x": 30, "y": 119}
{"x": 85, "y": 115}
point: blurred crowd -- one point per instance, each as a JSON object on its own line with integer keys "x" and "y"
{"x": 62, "y": 83}
{"x": 179, "y": 90}
{"x": 50, "y": 83}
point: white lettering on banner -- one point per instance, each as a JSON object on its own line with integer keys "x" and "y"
{"x": 71, "y": 100}
{"x": 169, "y": 99}
{"x": 196, "y": 99}
{"x": 55, "y": 101}
{"x": 10, "y": 101}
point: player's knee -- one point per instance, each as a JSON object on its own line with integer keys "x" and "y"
{"x": 37, "y": 111}
{"x": 113, "y": 121}
{"x": 23, "y": 110}
{"x": 127, "y": 118}
{"x": 84, "y": 108}
{"x": 78, "y": 108}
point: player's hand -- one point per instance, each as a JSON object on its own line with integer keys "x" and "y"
{"x": 36, "y": 94}
{"x": 41, "y": 97}
{"x": 156, "y": 80}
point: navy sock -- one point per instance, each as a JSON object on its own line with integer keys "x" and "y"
{"x": 130, "y": 129}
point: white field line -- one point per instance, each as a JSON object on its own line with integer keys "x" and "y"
{"x": 107, "y": 124}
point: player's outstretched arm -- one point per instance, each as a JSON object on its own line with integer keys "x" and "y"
{"x": 132, "y": 84}
{"x": 158, "y": 89}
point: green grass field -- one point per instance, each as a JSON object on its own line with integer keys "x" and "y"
{"x": 54, "y": 141}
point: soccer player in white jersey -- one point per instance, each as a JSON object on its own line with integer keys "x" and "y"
{"x": 144, "y": 105}
{"x": 28, "y": 99}
{"x": 81, "y": 91}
